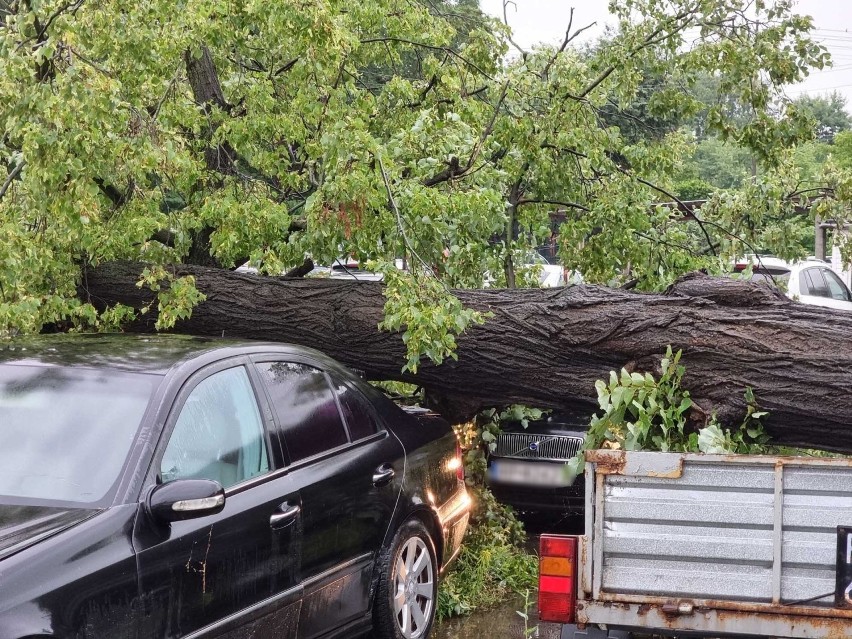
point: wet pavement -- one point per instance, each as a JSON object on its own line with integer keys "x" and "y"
{"x": 502, "y": 622}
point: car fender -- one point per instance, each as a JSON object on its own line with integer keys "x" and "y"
{"x": 27, "y": 621}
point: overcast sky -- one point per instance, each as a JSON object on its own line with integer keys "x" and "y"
{"x": 545, "y": 21}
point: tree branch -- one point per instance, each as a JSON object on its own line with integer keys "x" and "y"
{"x": 506, "y": 3}
{"x": 303, "y": 269}
{"x": 454, "y": 169}
{"x": 683, "y": 207}
{"x": 395, "y": 209}
{"x": 565, "y": 203}
{"x": 286, "y": 67}
{"x": 648, "y": 41}
{"x": 11, "y": 177}
{"x": 432, "y": 47}
{"x": 111, "y": 192}
{"x": 568, "y": 38}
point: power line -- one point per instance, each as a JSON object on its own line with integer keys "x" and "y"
{"x": 821, "y": 89}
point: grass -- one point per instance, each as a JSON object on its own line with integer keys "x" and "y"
{"x": 492, "y": 565}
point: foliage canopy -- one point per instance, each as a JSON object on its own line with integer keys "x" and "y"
{"x": 215, "y": 132}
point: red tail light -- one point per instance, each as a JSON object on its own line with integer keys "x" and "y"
{"x": 460, "y": 468}
{"x": 557, "y": 579}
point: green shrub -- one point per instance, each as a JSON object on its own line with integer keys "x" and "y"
{"x": 493, "y": 563}
{"x": 640, "y": 412}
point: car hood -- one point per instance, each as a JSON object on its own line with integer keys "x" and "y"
{"x": 22, "y": 526}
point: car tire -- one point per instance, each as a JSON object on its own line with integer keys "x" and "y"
{"x": 407, "y": 592}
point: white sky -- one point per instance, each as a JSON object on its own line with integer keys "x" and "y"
{"x": 546, "y": 20}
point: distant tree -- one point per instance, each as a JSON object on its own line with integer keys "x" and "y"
{"x": 693, "y": 188}
{"x": 810, "y": 159}
{"x": 830, "y": 113}
{"x": 723, "y": 165}
{"x": 656, "y": 110}
{"x": 716, "y": 100}
{"x": 841, "y": 150}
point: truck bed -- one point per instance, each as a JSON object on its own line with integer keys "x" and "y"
{"x": 734, "y": 544}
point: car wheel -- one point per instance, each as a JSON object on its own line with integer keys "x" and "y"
{"x": 408, "y": 586}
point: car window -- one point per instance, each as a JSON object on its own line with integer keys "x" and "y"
{"x": 218, "y": 434}
{"x": 307, "y": 413}
{"x": 804, "y": 284}
{"x": 357, "y": 411}
{"x": 836, "y": 288}
{"x": 815, "y": 283}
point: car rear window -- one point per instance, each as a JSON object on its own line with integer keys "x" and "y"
{"x": 358, "y": 414}
{"x": 770, "y": 275}
{"x": 812, "y": 283}
{"x": 65, "y": 433}
{"x": 306, "y": 410}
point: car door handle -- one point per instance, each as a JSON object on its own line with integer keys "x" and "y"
{"x": 285, "y": 515}
{"x": 383, "y": 474}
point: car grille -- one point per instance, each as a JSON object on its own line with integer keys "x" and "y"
{"x": 556, "y": 447}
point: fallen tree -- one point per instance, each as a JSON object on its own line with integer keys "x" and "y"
{"x": 546, "y": 347}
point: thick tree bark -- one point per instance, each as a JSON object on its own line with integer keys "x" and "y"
{"x": 546, "y": 347}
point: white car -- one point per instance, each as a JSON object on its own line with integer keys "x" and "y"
{"x": 550, "y": 275}
{"x": 343, "y": 268}
{"x": 810, "y": 281}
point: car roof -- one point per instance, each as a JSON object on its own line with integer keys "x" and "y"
{"x": 155, "y": 353}
{"x": 765, "y": 261}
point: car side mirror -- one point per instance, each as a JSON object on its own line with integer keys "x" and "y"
{"x": 185, "y": 499}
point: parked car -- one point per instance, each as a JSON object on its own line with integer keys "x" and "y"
{"x": 810, "y": 281}
{"x": 165, "y": 486}
{"x": 527, "y": 468}
{"x": 343, "y": 268}
{"x": 348, "y": 268}
{"x": 549, "y": 275}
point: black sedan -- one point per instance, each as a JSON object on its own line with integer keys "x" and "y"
{"x": 165, "y": 486}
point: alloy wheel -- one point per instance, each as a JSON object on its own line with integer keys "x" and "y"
{"x": 414, "y": 588}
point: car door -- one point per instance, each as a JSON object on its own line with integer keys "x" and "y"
{"x": 349, "y": 473}
{"x": 237, "y": 571}
{"x": 821, "y": 287}
{"x": 840, "y": 295}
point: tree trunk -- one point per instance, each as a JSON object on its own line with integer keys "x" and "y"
{"x": 546, "y": 347}
{"x": 207, "y": 92}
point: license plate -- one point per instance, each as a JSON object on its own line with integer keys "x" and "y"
{"x": 843, "y": 572}
{"x": 543, "y": 474}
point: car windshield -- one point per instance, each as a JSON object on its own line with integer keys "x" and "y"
{"x": 65, "y": 433}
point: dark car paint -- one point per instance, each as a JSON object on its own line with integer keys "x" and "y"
{"x": 567, "y": 500}
{"x": 22, "y": 526}
{"x": 107, "y": 575}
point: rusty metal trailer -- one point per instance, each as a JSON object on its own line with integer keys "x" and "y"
{"x": 708, "y": 544}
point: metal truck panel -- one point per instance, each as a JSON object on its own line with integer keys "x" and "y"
{"x": 737, "y": 537}
{"x": 702, "y": 580}
{"x": 663, "y": 534}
